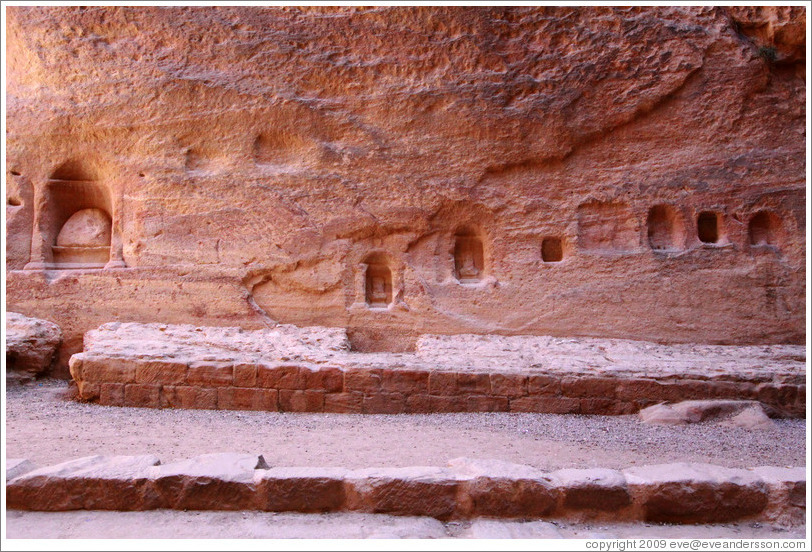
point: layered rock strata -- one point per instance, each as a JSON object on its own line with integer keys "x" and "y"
{"x": 674, "y": 493}
{"x": 613, "y": 172}
{"x": 313, "y": 370}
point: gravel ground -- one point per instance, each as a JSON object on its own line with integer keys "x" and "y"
{"x": 165, "y": 524}
{"x": 43, "y": 425}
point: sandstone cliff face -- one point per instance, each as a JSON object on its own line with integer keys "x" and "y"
{"x": 611, "y": 172}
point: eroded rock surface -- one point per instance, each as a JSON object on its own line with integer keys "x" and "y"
{"x": 733, "y": 413}
{"x": 30, "y": 346}
{"x": 615, "y": 172}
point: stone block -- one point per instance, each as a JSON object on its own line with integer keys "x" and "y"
{"x": 108, "y": 370}
{"x": 344, "y": 403}
{"x": 606, "y": 407}
{"x": 75, "y": 366}
{"x": 221, "y": 481}
{"x": 456, "y": 403}
{"x": 639, "y": 390}
{"x": 589, "y": 387}
{"x": 696, "y": 493}
{"x": 418, "y": 491}
{"x": 384, "y": 403}
{"x": 90, "y": 483}
{"x": 111, "y": 394}
{"x": 88, "y": 390}
{"x": 160, "y": 372}
{"x": 786, "y": 487}
{"x": 294, "y": 400}
{"x": 184, "y": 396}
{"x": 245, "y": 375}
{"x": 247, "y": 398}
{"x": 486, "y": 403}
{"x": 365, "y": 380}
{"x": 329, "y": 379}
{"x": 495, "y": 529}
{"x": 418, "y": 404}
{"x": 210, "y": 374}
{"x": 546, "y": 404}
{"x": 543, "y": 385}
{"x": 285, "y": 376}
{"x": 443, "y": 383}
{"x": 300, "y": 489}
{"x": 473, "y": 383}
{"x": 592, "y": 489}
{"x": 509, "y": 385}
{"x": 492, "y": 488}
{"x": 142, "y": 395}
{"x": 407, "y": 382}
{"x": 31, "y": 344}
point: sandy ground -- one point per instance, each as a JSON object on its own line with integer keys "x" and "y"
{"x": 164, "y": 524}
{"x": 45, "y": 427}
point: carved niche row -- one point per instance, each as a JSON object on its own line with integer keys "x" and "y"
{"x": 468, "y": 267}
{"x": 608, "y": 226}
{"x": 602, "y": 226}
{"x": 666, "y": 232}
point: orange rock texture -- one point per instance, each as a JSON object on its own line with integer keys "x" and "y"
{"x": 613, "y": 172}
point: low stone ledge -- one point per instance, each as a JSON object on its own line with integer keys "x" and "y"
{"x": 284, "y": 369}
{"x": 413, "y": 491}
{"x": 301, "y": 489}
{"x": 492, "y": 488}
{"x": 696, "y": 493}
{"x": 675, "y": 493}
{"x": 90, "y": 483}
{"x": 595, "y": 489}
{"x": 221, "y": 481}
{"x": 786, "y": 503}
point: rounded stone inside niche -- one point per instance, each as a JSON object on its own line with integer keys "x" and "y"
{"x": 84, "y": 240}
{"x": 86, "y": 228}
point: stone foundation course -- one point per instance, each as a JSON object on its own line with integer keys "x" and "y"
{"x": 292, "y": 369}
{"x": 466, "y": 488}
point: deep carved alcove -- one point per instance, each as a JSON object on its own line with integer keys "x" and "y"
{"x": 469, "y": 256}
{"x": 664, "y": 228}
{"x": 552, "y": 250}
{"x": 378, "y": 282}
{"x": 764, "y": 228}
{"x": 707, "y": 227}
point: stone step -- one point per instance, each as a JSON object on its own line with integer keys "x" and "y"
{"x": 466, "y": 488}
{"x": 291, "y": 369}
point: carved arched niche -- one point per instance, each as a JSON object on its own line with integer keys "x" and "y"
{"x": 469, "y": 256}
{"x": 764, "y": 229}
{"x": 378, "y": 281}
{"x": 665, "y": 229}
{"x": 74, "y": 223}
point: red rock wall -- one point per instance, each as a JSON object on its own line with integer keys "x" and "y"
{"x": 254, "y": 161}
